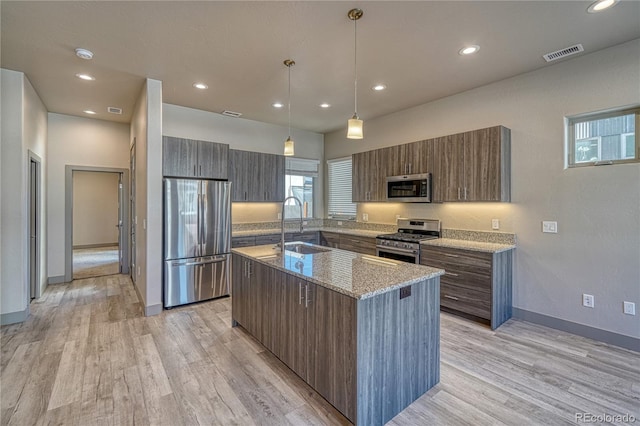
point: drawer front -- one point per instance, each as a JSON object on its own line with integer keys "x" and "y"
{"x": 463, "y": 299}
{"x": 464, "y": 259}
{"x": 473, "y": 281}
{"x": 358, "y": 244}
{"x": 329, "y": 239}
{"x": 306, "y": 237}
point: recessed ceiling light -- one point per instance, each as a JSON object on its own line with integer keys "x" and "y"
{"x": 601, "y": 5}
{"x": 88, "y": 111}
{"x": 469, "y": 50}
{"x": 200, "y": 86}
{"x": 84, "y": 53}
{"x": 85, "y": 77}
{"x": 324, "y": 105}
{"x": 379, "y": 87}
{"x": 277, "y": 105}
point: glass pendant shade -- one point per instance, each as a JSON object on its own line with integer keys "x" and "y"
{"x": 288, "y": 147}
{"x": 355, "y": 128}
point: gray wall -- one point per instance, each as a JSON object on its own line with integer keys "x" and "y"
{"x": 24, "y": 129}
{"x": 597, "y": 248}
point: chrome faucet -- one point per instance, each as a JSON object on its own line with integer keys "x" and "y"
{"x": 282, "y": 218}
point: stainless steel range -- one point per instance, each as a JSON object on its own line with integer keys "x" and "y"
{"x": 405, "y": 244}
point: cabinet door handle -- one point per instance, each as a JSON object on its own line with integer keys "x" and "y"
{"x": 458, "y": 193}
{"x": 194, "y": 169}
{"x": 306, "y": 296}
{"x": 452, "y": 274}
{"x": 245, "y": 195}
{"x": 200, "y": 170}
{"x": 451, "y": 255}
{"x": 465, "y": 192}
{"x": 299, "y": 293}
{"x": 450, "y": 297}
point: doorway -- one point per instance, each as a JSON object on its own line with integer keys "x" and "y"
{"x": 34, "y": 197}
{"x": 96, "y": 219}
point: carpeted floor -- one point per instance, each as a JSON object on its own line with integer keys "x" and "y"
{"x": 95, "y": 262}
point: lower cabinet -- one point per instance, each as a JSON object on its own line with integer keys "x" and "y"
{"x": 356, "y": 243}
{"x": 258, "y": 240}
{"x": 308, "y": 327}
{"x": 475, "y": 284}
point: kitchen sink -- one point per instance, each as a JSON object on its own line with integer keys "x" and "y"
{"x": 304, "y": 248}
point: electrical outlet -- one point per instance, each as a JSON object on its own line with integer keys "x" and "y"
{"x": 588, "y": 300}
{"x": 279, "y": 216}
{"x": 305, "y": 223}
{"x": 550, "y": 227}
{"x": 405, "y": 292}
{"x": 339, "y": 223}
{"x": 495, "y": 224}
{"x": 629, "y": 308}
{"x": 365, "y": 217}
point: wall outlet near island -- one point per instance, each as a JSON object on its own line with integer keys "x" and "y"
{"x": 495, "y": 224}
{"x": 588, "y": 300}
{"x": 629, "y": 308}
{"x": 279, "y": 216}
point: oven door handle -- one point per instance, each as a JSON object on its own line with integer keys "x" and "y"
{"x": 396, "y": 250}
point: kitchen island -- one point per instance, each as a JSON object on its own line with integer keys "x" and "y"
{"x": 363, "y": 331}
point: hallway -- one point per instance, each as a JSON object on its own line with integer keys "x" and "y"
{"x": 95, "y": 262}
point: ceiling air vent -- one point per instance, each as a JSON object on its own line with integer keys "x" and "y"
{"x": 114, "y": 110}
{"x": 231, "y": 113}
{"x": 563, "y": 53}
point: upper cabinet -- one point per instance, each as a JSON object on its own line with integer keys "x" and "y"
{"x": 473, "y": 166}
{"x": 368, "y": 179}
{"x": 407, "y": 159}
{"x": 194, "y": 159}
{"x": 256, "y": 177}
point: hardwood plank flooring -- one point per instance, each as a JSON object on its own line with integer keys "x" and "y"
{"x": 87, "y": 356}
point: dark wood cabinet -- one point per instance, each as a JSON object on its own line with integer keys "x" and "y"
{"x": 305, "y": 237}
{"x": 256, "y": 177}
{"x": 476, "y": 284}
{"x": 258, "y": 240}
{"x": 407, "y": 159}
{"x": 194, "y": 159}
{"x": 367, "y": 182}
{"x": 356, "y": 243}
{"x": 473, "y": 166}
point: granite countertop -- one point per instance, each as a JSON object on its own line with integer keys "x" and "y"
{"x": 271, "y": 231}
{"x": 353, "y": 274}
{"x": 469, "y": 245}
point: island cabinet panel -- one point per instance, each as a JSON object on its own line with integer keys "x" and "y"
{"x": 194, "y": 159}
{"x": 331, "y": 345}
{"x": 475, "y": 284}
{"x": 398, "y": 360}
{"x": 293, "y": 327}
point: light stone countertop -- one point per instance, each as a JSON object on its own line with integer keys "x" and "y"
{"x": 273, "y": 231}
{"x": 469, "y": 245}
{"x": 353, "y": 274}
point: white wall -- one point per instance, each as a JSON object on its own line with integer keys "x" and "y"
{"x": 24, "y": 129}
{"x": 80, "y": 142}
{"x": 246, "y": 135}
{"x": 597, "y": 248}
{"x": 95, "y": 208}
{"x": 146, "y": 130}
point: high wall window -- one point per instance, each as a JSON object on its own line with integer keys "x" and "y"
{"x": 339, "y": 194}
{"x": 300, "y": 178}
{"x": 603, "y": 138}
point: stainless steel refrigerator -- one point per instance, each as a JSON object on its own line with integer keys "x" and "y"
{"x": 197, "y": 240}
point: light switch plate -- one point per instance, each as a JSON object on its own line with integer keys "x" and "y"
{"x": 629, "y": 308}
{"x": 588, "y": 300}
{"x": 365, "y": 217}
{"x": 550, "y": 227}
{"x": 495, "y": 224}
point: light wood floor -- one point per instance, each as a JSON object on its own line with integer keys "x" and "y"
{"x": 87, "y": 356}
{"x": 95, "y": 262}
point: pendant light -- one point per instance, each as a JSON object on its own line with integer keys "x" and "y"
{"x": 288, "y": 144}
{"x": 355, "y": 124}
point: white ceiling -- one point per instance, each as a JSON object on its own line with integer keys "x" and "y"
{"x": 238, "y": 47}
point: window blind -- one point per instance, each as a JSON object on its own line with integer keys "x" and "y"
{"x": 339, "y": 200}
{"x": 301, "y": 167}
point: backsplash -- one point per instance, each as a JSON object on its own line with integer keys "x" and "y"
{"x": 479, "y": 236}
{"x": 367, "y": 226}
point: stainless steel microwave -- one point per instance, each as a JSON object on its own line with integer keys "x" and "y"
{"x": 409, "y": 188}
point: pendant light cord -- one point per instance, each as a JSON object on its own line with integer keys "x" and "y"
{"x": 355, "y": 65}
{"x": 289, "y": 103}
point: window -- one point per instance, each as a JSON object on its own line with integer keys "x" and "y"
{"x": 603, "y": 138}
{"x": 339, "y": 199}
{"x": 300, "y": 177}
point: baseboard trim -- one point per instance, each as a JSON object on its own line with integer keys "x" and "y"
{"x": 56, "y": 280}
{"x": 152, "y": 310}
{"x": 605, "y": 336}
{"x": 87, "y": 246}
{"x": 14, "y": 317}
